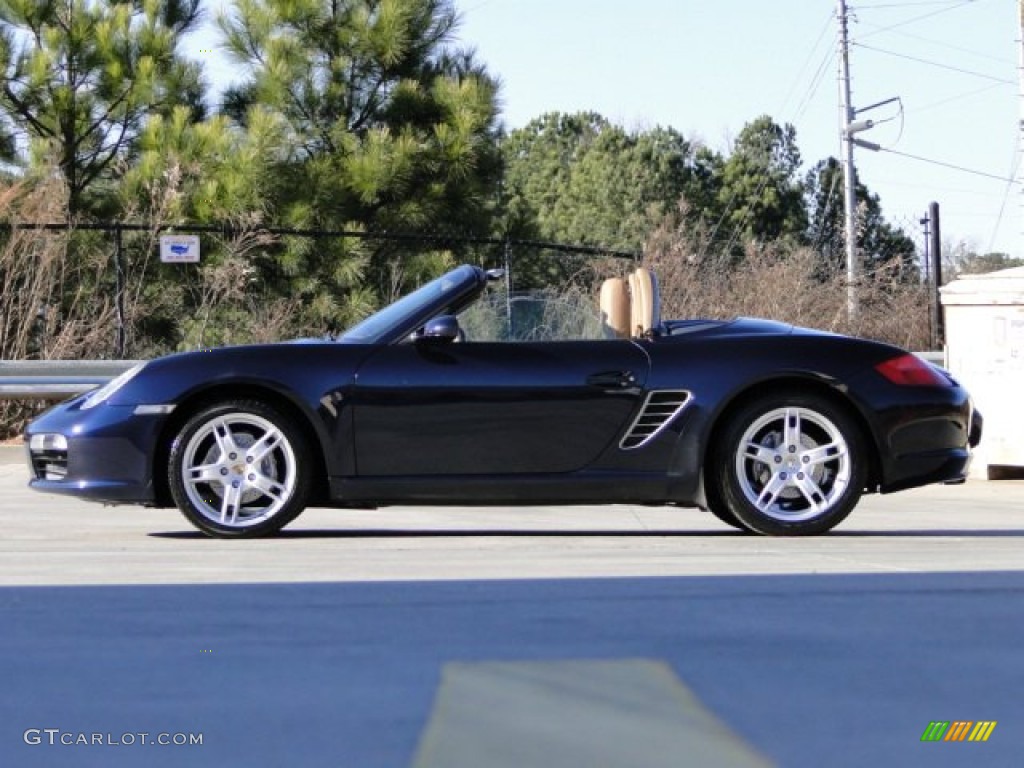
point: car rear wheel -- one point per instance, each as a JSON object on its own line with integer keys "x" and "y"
{"x": 719, "y": 510}
{"x": 789, "y": 465}
{"x": 240, "y": 469}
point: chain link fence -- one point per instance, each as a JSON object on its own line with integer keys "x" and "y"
{"x": 100, "y": 290}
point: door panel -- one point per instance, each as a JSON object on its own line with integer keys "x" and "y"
{"x": 493, "y": 408}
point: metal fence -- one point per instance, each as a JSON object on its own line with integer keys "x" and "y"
{"x": 56, "y": 379}
{"x": 526, "y": 261}
{"x": 123, "y": 246}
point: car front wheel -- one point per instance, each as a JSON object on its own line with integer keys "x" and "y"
{"x": 240, "y": 469}
{"x": 790, "y": 465}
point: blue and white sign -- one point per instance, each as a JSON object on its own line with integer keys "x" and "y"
{"x": 179, "y": 249}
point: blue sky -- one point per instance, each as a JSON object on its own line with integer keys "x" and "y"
{"x": 707, "y": 68}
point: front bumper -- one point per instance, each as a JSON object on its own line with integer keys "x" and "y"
{"x": 106, "y": 453}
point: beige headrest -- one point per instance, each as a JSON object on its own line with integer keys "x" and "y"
{"x": 615, "y": 307}
{"x": 641, "y": 289}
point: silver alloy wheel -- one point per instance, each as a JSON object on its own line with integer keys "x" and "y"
{"x": 793, "y": 464}
{"x": 239, "y": 470}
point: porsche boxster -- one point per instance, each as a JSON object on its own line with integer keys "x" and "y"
{"x": 774, "y": 429}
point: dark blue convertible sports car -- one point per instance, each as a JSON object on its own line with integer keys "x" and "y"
{"x": 774, "y": 429}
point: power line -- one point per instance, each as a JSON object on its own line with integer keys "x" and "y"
{"x": 881, "y": 6}
{"x": 807, "y": 61}
{"x": 816, "y": 79}
{"x": 825, "y": 208}
{"x": 959, "y": 96}
{"x": 936, "y": 64}
{"x": 1014, "y": 163}
{"x": 931, "y": 41}
{"x": 886, "y": 181}
{"x": 952, "y": 166}
{"x": 915, "y": 19}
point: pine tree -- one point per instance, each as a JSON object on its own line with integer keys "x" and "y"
{"x": 388, "y": 126}
{"x": 80, "y": 79}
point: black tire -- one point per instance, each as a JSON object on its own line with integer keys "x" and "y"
{"x": 788, "y": 465}
{"x": 719, "y": 510}
{"x": 716, "y": 506}
{"x": 223, "y": 486}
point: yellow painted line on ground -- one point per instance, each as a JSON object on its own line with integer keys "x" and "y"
{"x": 631, "y": 713}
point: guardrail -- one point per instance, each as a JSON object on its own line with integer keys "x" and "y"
{"x": 59, "y": 379}
{"x": 56, "y": 379}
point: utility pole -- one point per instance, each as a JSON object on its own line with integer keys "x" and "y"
{"x": 926, "y": 263}
{"x": 1020, "y": 74}
{"x": 849, "y": 172}
{"x": 848, "y": 126}
{"x": 935, "y": 254}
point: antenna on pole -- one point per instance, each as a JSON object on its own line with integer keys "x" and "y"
{"x": 847, "y": 129}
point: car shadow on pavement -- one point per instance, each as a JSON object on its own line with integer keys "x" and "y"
{"x": 412, "y": 533}
{"x": 938, "y": 533}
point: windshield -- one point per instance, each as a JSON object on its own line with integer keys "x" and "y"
{"x": 396, "y": 315}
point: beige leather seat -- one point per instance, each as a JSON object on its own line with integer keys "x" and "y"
{"x": 643, "y": 290}
{"x": 630, "y": 306}
{"x": 615, "y": 309}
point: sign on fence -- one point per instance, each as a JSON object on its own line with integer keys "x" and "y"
{"x": 179, "y": 249}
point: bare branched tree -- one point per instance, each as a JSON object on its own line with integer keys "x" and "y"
{"x": 781, "y": 282}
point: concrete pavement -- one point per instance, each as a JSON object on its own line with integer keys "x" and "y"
{"x": 621, "y": 636}
{"x": 57, "y": 540}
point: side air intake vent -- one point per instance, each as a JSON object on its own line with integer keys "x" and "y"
{"x": 659, "y": 409}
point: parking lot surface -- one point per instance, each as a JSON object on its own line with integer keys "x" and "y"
{"x": 51, "y": 540}
{"x": 610, "y": 636}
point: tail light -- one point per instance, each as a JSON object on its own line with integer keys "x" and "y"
{"x": 911, "y": 371}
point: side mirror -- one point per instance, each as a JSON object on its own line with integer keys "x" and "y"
{"x": 444, "y": 329}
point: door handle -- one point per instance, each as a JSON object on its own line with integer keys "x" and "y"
{"x": 612, "y": 379}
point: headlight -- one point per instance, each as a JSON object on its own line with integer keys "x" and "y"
{"x": 102, "y": 394}
{"x": 47, "y": 442}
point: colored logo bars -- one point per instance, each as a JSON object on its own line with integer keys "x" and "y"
{"x": 958, "y": 730}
